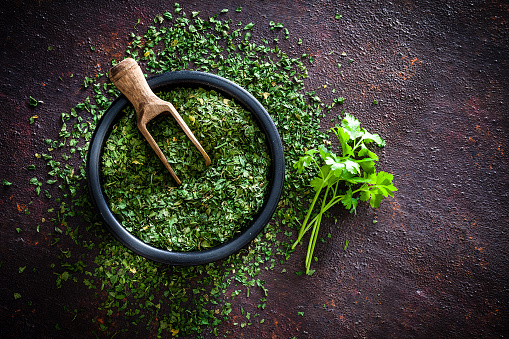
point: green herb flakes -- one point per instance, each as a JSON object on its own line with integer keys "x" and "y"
{"x": 180, "y": 301}
{"x": 214, "y": 202}
{"x": 34, "y": 102}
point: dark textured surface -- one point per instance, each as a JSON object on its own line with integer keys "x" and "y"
{"x": 435, "y": 263}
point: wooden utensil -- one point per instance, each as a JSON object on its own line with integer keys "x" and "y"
{"x": 129, "y": 79}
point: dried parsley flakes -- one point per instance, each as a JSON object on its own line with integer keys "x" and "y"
{"x": 214, "y": 202}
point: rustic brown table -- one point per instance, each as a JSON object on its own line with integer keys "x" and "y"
{"x": 436, "y": 262}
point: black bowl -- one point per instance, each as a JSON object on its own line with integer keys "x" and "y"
{"x": 248, "y": 233}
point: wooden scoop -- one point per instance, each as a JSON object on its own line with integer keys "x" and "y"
{"x": 129, "y": 79}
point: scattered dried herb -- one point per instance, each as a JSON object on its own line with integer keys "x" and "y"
{"x": 131, "y": 290}
{"x": 214, "y": 202}
{"x": 34, "y": 102}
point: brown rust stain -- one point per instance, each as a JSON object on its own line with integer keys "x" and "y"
{"x": 109, "y": 45}
{"x": 409, "y": 69}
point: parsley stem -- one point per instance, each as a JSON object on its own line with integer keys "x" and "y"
{"x": 312, "y": 243}
{"x": 314, "y": 234}
{"x": 303, "y": 229}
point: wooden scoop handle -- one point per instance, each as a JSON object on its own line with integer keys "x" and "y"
{"x": 129, "y": 79}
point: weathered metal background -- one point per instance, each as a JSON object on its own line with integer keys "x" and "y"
{"x": 435, "y": 264}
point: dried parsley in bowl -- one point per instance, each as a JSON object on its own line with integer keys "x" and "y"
{"x": 213, "y": 203}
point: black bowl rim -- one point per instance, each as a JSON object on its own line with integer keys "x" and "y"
{"x": 276, "y": 175}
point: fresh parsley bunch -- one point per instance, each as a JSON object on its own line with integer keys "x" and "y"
{"x": 346, "y": 178}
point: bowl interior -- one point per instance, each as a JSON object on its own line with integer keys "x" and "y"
{"x": 167, "y": 81}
